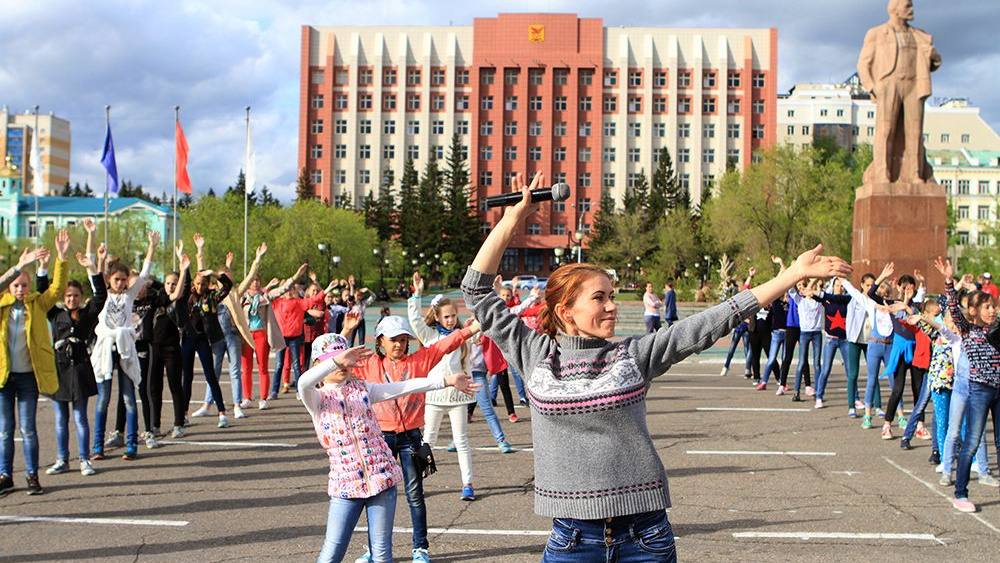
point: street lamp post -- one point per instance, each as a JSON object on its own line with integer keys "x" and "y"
{"x": 578, "y": 235}
{"x": 381, "y": 270}
{"x": 336, "y": 263}
{"x": 559, "y": 251}
{"x": 324, "y": 251}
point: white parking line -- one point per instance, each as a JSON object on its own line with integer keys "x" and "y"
{"x": 697, "y": 388}
{"x": 466, "y": 532}
{"x": 837, "y": 536}
{"x": 111, "y": 521}
{"x": 741, "y": 452}
{"x": 938, "y": 492}
{"x": 747, "y": 409}
{"x": 233, "y": 444}
{"x": 489, "y": 449}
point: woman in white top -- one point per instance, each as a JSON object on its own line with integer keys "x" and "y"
{"x": 652, "y": 304}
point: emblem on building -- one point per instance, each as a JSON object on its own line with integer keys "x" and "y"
{"x": 536, "y": 33}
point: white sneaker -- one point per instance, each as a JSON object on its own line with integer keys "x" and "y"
{"x": 58, "y": 467}
{"x": 262, "y": 405}
{"x": 246, "y": 404}
{"x": 238, "y": 412}
{"x": 780, "y": 391}
{"x": 819, "y": 403}
{"x": 223, "y": 421}
{"x": 810, "y": 392}
{"x": 203, "y": 411}
{"x": 116, "y": 440}
{"x": 178, "y": 432}
{"x": 86, "y": 469}
{"x": 725, "y": 371}
{"x": 151, "y": 442}
{"x": 939, "y": 468}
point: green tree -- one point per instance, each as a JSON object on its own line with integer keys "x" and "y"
{"x": 407, "y": 220}
{"x": 304, "y": 188}
{"x": 240, "y": 187}
{"x": 267, "y": 198}
{"x": 636, "y": 198}
{"x": 678, "y": 246}
{"x": 461, "y": 224}
{"x": 662, "y": 188}
{"x": 128, "y": 189}
{"x": 603, "y": 230}
{"x": 430, "y": 209}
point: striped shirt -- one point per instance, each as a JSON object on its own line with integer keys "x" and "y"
{"x": 984, "y": 359}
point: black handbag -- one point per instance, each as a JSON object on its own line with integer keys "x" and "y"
{"x": 423, "y": 458}
{"x": 993, "y": 335}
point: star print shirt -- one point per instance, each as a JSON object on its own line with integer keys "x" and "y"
{"x": 834, "y": 313}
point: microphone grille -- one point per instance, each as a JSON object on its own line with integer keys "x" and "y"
{"x": 560, "y": 192}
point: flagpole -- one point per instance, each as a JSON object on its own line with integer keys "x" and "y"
{"x": 246, "y": 201}
{"x": 177, "y": 118}
{"x": 37, "y": 167}
{"x": 107, "y": 123}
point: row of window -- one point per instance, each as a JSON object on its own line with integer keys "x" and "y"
{"x": 964, "y": 187}
{"x": 536, "y": 77}
{"x": 983, "y": 239}
{"x": 536, "y": 103}
{"x": 983, "y": 212}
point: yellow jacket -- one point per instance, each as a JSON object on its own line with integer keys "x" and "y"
{"x": 36, "y": 306}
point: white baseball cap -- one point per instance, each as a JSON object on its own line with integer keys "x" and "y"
{"x": 393, "y": 326}
{"x": 987, "y": 275}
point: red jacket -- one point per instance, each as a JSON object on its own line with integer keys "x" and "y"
{"x": 922, "y": 349}
{"x": 492, "y": 356}
{"x": 291, "y": 310}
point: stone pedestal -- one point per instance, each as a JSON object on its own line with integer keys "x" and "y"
{"x": 901, "y": 223}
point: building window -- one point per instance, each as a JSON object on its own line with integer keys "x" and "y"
{"x": 388, "y": 152}
{"x": 583, "y": 180}
{"x": 635, "y": 104}
{"x": 341, "y": 77}
{"x": 510, "y": 103}
{"x": 684, "y": 130}
{"x": 983, "y": 239}
{"x": 365, "y": 127}
{"x": 318, "y": 76}
{"x": 316, "y": 151}
{"x": 610, "y": 103}
{"x": 340, "y": 127}
{"x": 610, "y": 128}
{"x": 340, "y": 176}
{"x": 461, "y": 102}
{"x": 558, "y": 177}
{"x": 534, "y": 128}
{"x": 634, "y": 154}
{"x": 965, "y": 138}
{"x": 413, "y": 127}
{"x": 609, "y": 154}
{"x": 683, "y": 155}
{"x": 437, "y": 102}
{"x": 486, "y": 76}
{"x": 733, "y": 156}
{"x": 534, "y": 228}
{"x": 708, "y": 105}
{"x": 660, "y": 130}
{"x": 317, "y": 101}
{"x": 413, "y": 77}
{"x": 535, "y": 103}
{"x": 389, "y": 128}
{"x": 317, "y": 126}
{"x": 486, "y": 103}
{"x": 611, "y": 78}
{"x": 734, "y": 106}
{"x": 510, "y": 154}
{"x": 945, "y": 137}
{"x": 822, "y": 112}
{"x": 984, "y": 212}
{"x": 963, "y": 238}
{"x": 585, "y": 103}
{"x": 946, "y": 184}
{"x": 757, "y": 132}
{"x": 389, "y": 77}
{"x": 733, "y": 131}
{"x": 609, "y": 179}
{"x": 364, "y": 177}
{"x": 586, "y": 77}
{"x": 871, "y": 115}
{"x": 559, "y": 129}
{"x": 462, "y": 127}
{"x": 560, "y": 76}
{"x": 536, "y": 76}
{"x": 583, "y": 205}
{"x": 963, "y": 211}
{"x": 684, "y": 79}
{"x": 659, "y": 104}
{"x": 583, "y": 154}
{"x": 559, "y": 228}
{"x": 660, "y": 79}
{"x": 389, "y": 102}
{"x": 708, "y": 79}
{"x": 963, "y": 187}
{"x": 413, "y": 102}
{"x": 437, "y": 77}
{"x": 486, "y": 178}
{"x": 840, "y": 113}
{"x": 758, "y": 80}
{"x": 635, "y": 78}
{"x": 733, "y": 80}
{"x": 790, "y": 130}
{"x": 635, "y": 129}
{"x": 585, "y": 129}
{"x": 708, "y": 130}
{"x": 685, "y": 181}
{"x": 984, "y": 187}
{"x": 486, "y": 128}
{"x": 486, "y": 152}
{"x": 510, "y": 76}
{"x": 509, "y": 128}
{"x": 708, "y": 156}
{"x": 462, "y": 77}
{"x": 534, "y": 154}
{"x": 684, "y": 105}
{"x": 758, "y": 107}
{"x": 560, "y": 103}
{"x": 707, "y": 180}
{"x": 437, "y": 127}
{"x": 559, "y": 154}
{"x": 413, "y": 152}
{"x": 364, "y": 101}
{"x": 365, "y": 77}
{"x": 805, "y": 129}
{"x": 316, "y": 177}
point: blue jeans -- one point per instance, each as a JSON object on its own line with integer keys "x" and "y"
{"x": 293, "y": 345}
{"x": 231, "y": 346}
{"x": 777, "y": 343}
{"x": 196, "y": 344}
{"x": 344, "y": 515}
{"x": 61, "y": 410}
{"x": 403, "y": 444}
{"x": 127, "y": 390}
{"x": 984, "y": 401}
{"x": 743, "y": 337}
{"x": 957, "y": 426}
{"x": 875, "y": 357}
{"x": 489, "y": 413}
{"x": 641, "y": 538}
{"x": 22, "y": 389}
{"x": 806, "y": 338}
{"x": 918, "y": 413}
{"x": 829, "y": 351}
{"x": 518, "y": 383}
{"x": 359, "y": 333}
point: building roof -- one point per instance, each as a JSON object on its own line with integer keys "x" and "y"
{"x": 52, "y": 205}
{"x": 964, "y": 158}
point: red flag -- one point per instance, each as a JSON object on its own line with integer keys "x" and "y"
{"x": 182, "y": 180}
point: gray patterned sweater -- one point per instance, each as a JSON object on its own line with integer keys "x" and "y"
{"x": 594, "y": 457}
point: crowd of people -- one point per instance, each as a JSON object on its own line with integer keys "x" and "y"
{"x": 377, "y": 412}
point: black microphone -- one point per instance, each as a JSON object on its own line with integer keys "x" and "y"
{"x": 558, "y": 192}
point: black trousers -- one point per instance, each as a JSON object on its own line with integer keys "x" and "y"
{"x": 165, "y": 358}
{"x": 760, "y": 341}
{"x": 899, "y": 383}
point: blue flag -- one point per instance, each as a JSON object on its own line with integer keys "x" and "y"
{"x": 108, "y": 160}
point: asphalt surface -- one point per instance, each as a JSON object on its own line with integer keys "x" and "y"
{"x": 740, "y": 480}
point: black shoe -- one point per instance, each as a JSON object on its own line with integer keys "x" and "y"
{"x": 34, "y": 487}
{"x": 796, "y": 398}
{"x": 6, "y": 485}
{"x": 905, "y": 444}
{"x": 935, "y": 458}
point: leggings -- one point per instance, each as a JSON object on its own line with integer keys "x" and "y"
{"x": 791, "y": 340}
{"x": 916, "y": 382}
{"x": 760, "y": 340}
{"x": 165, "y": 358}
{"x": 457, "y": 414}
{"x": 503, "y": 384}
{"x": 854, "y": 351}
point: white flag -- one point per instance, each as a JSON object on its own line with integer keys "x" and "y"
{"x": 37, "y": 185}
{"x": 251, "y": 173}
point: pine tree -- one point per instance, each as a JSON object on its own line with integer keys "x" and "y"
{"x": 268, "y": 199}
{"x": 430, "y": 210}
{"x": 304, "y": 189}
{"x": 636, "y": 198}
{"x": 240, "y": 188}
{"x": 407, "y": 222}
{"x": 602, "y": 230}
{"x": 661, "y": 200}
{"x": 210, "y": 194}
{"x": 186, "y": 201}
{"x": 67, "y": 191}
{"x": 368, "y": 210}
{"x": 461, "y": 224}
{"x": 385, "y": 208}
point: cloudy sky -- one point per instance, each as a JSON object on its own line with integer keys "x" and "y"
{"x": 214, "y": 57}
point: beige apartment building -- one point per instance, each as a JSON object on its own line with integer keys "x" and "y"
{"x": 16, "y": 130}
{"x": 972, "y": 180}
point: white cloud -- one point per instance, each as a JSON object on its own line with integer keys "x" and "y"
{"x": 214, "y": 58}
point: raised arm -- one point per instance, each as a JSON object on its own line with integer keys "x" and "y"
{"x": 424, "y": 359}
{"x": 182, "y": 291}
{"x": 342, "y": 363}
{"x": 54, "y": 293}
{"x": 415, "y": 314}
{"x": 254, "y": 270}
{"x": 199, "y": 255}
{"x": 27, "y": 257}
{"x": 954, "y": 307}
{"x": 90, "y": 226}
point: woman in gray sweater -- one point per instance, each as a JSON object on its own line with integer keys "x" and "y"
{"x": 588, "y": 393}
